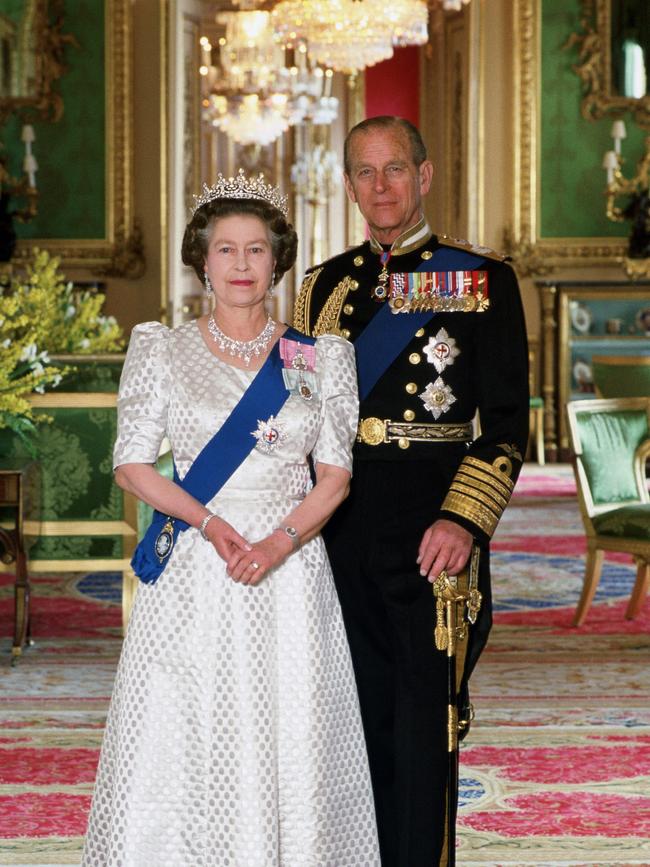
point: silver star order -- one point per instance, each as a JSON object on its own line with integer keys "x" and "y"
{"x": 437, "y": 397}
{"x": 268, "y": 434}
{"x": 441, "y": 350}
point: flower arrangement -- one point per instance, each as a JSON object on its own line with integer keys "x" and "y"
{"x": 41, "y": 314}
{"x": 67, "y": 320}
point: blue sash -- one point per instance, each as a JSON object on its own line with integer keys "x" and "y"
{"x": 218, "y": 460}
{"x": 386, "y": 335}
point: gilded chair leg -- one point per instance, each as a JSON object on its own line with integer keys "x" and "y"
{"x": 539, "y": 437}
{"x": 640, "y": 588}
{"x": 593, "y": 569}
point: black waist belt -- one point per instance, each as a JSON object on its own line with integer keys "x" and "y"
{"x": 375, "y": 431}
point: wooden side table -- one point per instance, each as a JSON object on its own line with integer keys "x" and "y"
{"x": 14, "y": 476}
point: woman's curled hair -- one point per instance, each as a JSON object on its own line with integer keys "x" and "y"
{"x": 283, "y": 238}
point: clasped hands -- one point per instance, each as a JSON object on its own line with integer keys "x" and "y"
{"x": 246, "y": 563}
{"x": 445, "y": 545}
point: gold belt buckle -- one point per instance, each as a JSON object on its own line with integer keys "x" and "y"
{"x": 372, "y": 431}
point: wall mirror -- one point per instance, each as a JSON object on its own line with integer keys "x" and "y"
{"x": 614, "y": 58}
{"x": 31, "y": 57}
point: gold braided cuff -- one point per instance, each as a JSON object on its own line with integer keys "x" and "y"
{"x": 479, "y": 493}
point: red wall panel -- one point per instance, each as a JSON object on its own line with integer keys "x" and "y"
{"x": 393, "y": 87}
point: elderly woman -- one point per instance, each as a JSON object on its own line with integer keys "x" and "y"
{"x": 234, "y": 735}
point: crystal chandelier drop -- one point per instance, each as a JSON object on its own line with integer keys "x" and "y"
{"x": 348, "y": 35}
{"x": 454, "y": 5}
{"x": 254, "y": 88}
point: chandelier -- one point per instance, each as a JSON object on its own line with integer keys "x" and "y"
{"x": 348, "y": 35}
{"x": 273, "y": 69}
{"x": 257, "y": 88}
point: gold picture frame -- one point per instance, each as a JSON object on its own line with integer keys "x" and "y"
{"x": 120, "y": 252}
{"x": 32, "y": 59}
{"x": 594, "y": 68}
{"x": 532, "y": 254}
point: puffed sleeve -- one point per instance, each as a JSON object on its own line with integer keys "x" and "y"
{"x": 339, "y": 400}
{"x": 143, "y": 397}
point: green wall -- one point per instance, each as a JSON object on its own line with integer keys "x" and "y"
{"x": 572, "y": 180}
{"x": 71, "y": 153}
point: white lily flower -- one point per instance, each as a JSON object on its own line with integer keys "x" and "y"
{"x": 29, "y": 352}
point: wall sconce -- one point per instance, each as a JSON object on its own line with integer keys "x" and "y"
{"x": 637, "y": 210}
{"x": 13, "y": 188}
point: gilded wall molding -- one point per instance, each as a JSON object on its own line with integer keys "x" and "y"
{"x": 533, "y": 255}
{"x": 594, "y": 67}
{"x": 120, "y": 252}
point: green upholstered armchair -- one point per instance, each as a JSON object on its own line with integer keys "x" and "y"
{"x": 611, "y": 442}
{"x": 621, "y": 375}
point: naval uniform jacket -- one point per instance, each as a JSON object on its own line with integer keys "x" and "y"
{"x": 486, "y": 371}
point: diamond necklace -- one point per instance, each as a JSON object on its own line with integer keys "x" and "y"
{"x": 244, "y": 349}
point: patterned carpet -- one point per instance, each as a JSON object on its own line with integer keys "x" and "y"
{"x": 556, "y": 770}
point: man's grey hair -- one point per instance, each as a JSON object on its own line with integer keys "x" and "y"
{"x": 386, "y": 122}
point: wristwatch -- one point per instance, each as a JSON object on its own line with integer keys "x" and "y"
{"x": 204, "y": 524}
{"x": 292, "y": 533}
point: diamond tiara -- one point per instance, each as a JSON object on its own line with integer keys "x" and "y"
{"x": 242, "y": 188}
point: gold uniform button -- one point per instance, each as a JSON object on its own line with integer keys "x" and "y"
{"x": 348, "y": 309}
{"x": 354, "y": 285}
{"x": 345, "y": 333}
{"x": 358, "y": 260}
{"x": 415, "y": 358}
{"x": 409, "y": 415}
{"x": 403, "y": 443}
{"x": 419, "y": 332}
{"x": 427, "y": 254}
{"x": 411, "y": 387}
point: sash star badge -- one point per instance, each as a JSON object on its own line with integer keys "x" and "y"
{"x": 437, "y": 397}
{"x": 441, "y": 350}
{"x": 268, "y": 434}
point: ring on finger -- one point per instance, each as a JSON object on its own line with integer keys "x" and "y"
{"x": 254, "y": 565}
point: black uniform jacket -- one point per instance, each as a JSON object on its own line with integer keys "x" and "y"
{"x": 482, "y": 373}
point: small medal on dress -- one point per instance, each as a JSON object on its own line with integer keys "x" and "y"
{"x": 299, "y": 363}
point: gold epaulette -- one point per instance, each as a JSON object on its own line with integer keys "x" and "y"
{"x": 461, "y": 244}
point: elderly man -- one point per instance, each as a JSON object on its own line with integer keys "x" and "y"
{"x": 440, "y": 338}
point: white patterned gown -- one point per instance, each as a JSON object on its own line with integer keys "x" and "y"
{"x": 234, "y": 737}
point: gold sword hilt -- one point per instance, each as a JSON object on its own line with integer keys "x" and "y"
{"x": 449, "y": 599}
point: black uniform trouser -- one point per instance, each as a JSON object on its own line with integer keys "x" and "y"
{"x": 389, "y": 613}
